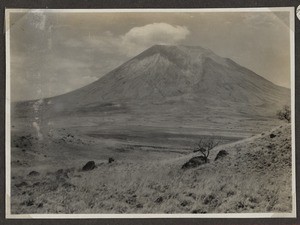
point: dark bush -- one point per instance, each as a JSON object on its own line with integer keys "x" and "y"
{"x": 194, "y": 162}
{"x": 110, "y": 160}
{"x": 285, "y": 113}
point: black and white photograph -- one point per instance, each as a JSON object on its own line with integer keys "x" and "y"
{"x": 150, "y": 113}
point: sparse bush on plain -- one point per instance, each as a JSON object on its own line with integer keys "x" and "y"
{"x": 285, "y": 113}
{"x": 204, "y": 146}
{"x": 194, "y": 162}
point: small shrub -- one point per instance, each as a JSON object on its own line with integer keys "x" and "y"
{"x": 195, "y": 161}
{"x": 204, "y": 146}
{"x": 285, "y": 113}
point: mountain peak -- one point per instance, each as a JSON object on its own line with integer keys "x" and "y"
{"x": 159, "y": 48}
{"x": 187, "y": 47}
{"x": 181, "y": 55}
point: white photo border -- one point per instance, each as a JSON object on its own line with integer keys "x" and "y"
{"x": 8, "y": 213}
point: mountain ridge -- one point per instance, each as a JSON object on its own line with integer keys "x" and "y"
{"x": 160, "y": 65}
{"x": 181, "y": 73}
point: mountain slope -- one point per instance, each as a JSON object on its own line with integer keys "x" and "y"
{"x": 168, "y": 71}
{"x": 181, "y": 74}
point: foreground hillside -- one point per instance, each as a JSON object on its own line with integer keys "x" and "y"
{"x": 255, "y": 176}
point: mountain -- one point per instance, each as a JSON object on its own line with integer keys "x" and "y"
{"x": 188, "y": 74}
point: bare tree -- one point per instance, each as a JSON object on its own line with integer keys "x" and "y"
{"x": 285, "y": 113}
{"x": 205, "y": 145}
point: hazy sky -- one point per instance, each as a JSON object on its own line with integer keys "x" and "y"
{"x": 54, "y": 53}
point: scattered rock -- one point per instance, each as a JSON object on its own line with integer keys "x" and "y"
{"x": 36, "y": 184}
{"x": 23, "y": 141}
{"x": 194, "y": 162}
{"x": 131, "y": 200}
{"x": 53, "y": 186}
{"x": 199, "y": 211}
{"x": 240, "y": 205}
{"x": 272, "y": 135}
{"x": 61, "y": 174}
{"x": 208, "y": 199}
{"x": 110, "y": 160}
{"x": 68, "y": 185}
{"x": 22, "y": 184}
{"x": 60, "y": 179}
{"x": 60, "y": 171}
{"x": 139, "y": 206}
{"x": 29, "y": 202}
{"x": 159, "y": 200}
{"x": 230, "y": 193}
{"x": 33, "y": 173}
{"x": 221, "y": 154}
{"x": 184, "y": 203}
{"x": 192, "y": 195}
{"x": 89, "y": 166}
{"x": 40, "y": 205}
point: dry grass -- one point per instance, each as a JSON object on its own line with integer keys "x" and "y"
{"x": 254, "y": 177}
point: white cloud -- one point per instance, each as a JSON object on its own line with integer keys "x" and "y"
{"x": 134, "y": 41}
{"x": 140, "y": 38}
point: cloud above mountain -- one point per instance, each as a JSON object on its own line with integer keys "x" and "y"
{"x": 139, "y": 38}
{"x": 134, "y": 40}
